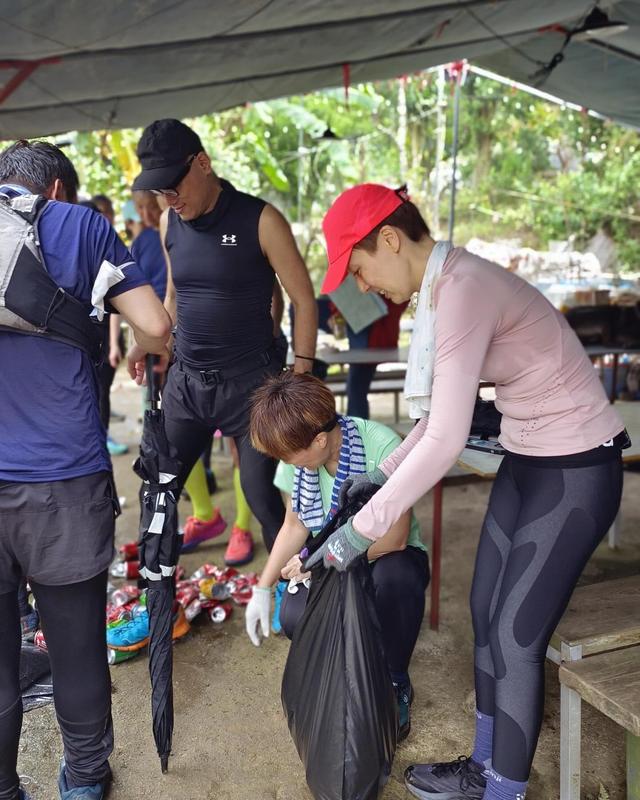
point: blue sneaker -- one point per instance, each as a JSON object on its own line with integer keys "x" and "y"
{"x": 129, "y": 634}
{"x": 116, "y": 448}
{"x": 96, "y": 792}
{"x": 281, "y": 588}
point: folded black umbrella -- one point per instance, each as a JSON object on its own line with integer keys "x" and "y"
{"x": 159, "y": 550}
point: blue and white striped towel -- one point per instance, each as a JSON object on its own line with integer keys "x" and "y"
{"x": 306, "y": 498}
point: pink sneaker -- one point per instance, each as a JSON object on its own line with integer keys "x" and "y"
{"x": 196, "y": 531}
{"x": 240, "y": 548}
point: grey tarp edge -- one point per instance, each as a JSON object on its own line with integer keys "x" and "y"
{"x": 122, "y": 65}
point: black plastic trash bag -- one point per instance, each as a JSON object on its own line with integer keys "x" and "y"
{"x": 336, "y": 689}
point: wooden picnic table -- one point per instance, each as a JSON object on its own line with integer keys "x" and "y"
{"x": 486, "y": 464}
{"x": 609, "y": 682}
{"x": 600, "y": 618}
{"x": 476, "y": 465}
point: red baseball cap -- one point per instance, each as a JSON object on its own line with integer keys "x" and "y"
{"x": 352, "y": 216}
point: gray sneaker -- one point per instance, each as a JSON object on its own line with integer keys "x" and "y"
{"x": 462, "y": 779}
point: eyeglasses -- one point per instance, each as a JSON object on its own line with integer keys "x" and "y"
{"x": 174, "y": 192}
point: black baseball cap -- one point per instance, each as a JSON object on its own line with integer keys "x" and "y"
{"x": 163, "y": 150}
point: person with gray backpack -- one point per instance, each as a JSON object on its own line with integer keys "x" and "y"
{"x": 59, "y": 264}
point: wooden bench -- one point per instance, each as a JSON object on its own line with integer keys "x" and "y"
{"x": 378, "y": 386}
{"x": 610, "y": 682}
{"x": 600, "y": 618}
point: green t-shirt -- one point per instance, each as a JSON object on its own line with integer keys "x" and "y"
{"x": 378, "y": 441}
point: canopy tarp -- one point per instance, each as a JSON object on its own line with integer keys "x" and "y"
{"x": 83, "y": 65}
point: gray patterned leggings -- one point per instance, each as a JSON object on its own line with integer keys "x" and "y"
{"x": 541, "y": 527}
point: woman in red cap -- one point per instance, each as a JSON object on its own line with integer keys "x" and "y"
{"x": 557, "y": 490}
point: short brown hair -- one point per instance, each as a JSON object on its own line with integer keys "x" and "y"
{"x": 288, "y": 411}
{"x": 406, "y": 218}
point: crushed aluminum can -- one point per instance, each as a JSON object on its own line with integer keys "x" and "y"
{"x": 125, "y": 569}
{"x": 114, "y": 613}
{"x": 220, "y": 612}
{"x": 118, "y": 656}
{"x": 119, "y": 598}
{"x": 193, "y": 609}
{"x": 187, "y": 594}
{"x": 242, "y": 596}
{"x": 226, "y": 574}
{"x": 210, "y": 588}
{"x": 125, "y": 594}
{"x": 205, "y": 571}
{"x": 129, "y": 551}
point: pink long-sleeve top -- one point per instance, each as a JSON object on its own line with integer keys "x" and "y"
{"x": 492, "y": 325}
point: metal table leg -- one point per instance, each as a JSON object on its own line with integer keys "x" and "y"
{"x": 570, "y": 723}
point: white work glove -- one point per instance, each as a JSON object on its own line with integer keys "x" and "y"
{"x": 258, "y": 611}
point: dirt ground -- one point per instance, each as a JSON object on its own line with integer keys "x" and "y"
{"x": 231, "y": 740}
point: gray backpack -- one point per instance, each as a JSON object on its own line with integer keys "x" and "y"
{"x": 30, "y": 300}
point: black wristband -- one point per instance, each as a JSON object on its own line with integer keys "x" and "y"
{"x": 306, "y": 358}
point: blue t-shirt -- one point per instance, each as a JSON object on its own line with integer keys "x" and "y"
{"x": 148, "y": 255}
{"x": 50, "y": 425}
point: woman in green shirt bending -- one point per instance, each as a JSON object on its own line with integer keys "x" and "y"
{"x": 294, "y": 419}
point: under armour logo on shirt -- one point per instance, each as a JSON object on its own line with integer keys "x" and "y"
{"x": 229, "y": 239}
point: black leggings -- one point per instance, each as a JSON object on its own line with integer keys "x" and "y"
{"x": 400, "y": 581}
{"x": 541, "y": 527}
{"x": 192, "y": 412}
{"x": 73, "y": 620}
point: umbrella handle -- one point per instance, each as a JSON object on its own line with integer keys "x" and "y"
{"x": 153, "y": 388}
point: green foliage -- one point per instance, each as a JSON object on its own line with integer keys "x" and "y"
{"x": 527, "y": 169}
{"x": 544, "y": 172}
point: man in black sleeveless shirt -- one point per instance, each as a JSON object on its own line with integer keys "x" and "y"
{"x": 224, "y": 249}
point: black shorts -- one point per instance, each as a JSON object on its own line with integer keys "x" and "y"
{"x": 224, "y": 405}
{"x": 58, "y": 532}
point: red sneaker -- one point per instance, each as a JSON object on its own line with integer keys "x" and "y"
{"x": 240, "y": 548}
{"x": 196, "y": 531}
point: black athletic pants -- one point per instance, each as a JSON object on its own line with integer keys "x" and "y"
{"x": 541, "y": 527}
{"x": 73, "y": 620}
{"x": 400, "y": 581}
{"x": 195, "y": 406}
